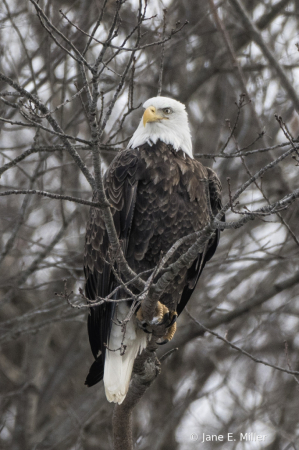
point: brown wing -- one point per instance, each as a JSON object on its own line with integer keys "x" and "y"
{"x": 215, "y": 189}
{"x": 198, "y": 265}
{"x": 121, "y": 187}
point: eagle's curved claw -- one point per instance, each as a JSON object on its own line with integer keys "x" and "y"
{"x": 143, "y": 327}
{"x": 173, "y": 319}
{"x": 163, "y": 342}
{"x": 141, "y": 322}
{"x": 165, "y": 319}
{"x": 170, "y": 332}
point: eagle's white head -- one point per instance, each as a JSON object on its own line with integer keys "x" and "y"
{"x": 165, "y": 119}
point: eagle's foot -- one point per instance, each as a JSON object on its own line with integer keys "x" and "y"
{"x": 163, "y": 317}
{"x": 171, "y": 330}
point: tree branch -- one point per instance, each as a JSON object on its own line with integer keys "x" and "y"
{"x": 257, "y": 38}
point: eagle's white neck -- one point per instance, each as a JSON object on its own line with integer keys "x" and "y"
{"x": 174, "y": 131}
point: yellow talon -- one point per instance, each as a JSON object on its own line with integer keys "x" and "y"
{"x": 170, "y": 332}
{"x": 161, "y": 310}
{"x": 159, "y": 318}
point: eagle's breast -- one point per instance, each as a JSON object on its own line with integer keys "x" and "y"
{"x": 170, "y": 204}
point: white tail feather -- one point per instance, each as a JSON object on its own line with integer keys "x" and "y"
{"x": 118, "y": 368}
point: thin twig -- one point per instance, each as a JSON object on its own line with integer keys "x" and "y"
{"x": 162, "y": 54}
{"x": 55, "y": 196}
{"x": 235, "y": 347}
{"x": 41, "y": 15}
{"x": 256, "y": 36}
{"x": 65, "y": 139}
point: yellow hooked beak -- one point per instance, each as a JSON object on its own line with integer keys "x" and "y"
{"x": 150, "y": 115}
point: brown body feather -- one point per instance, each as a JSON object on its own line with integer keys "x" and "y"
{"x": 157, "y": 195}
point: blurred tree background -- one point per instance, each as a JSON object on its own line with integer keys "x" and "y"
{"x": 247, "y": 293}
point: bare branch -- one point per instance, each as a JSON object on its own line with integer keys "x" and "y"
{"x": 257, "y": 38}
{"x": 162, "y": 54}
{"x": 54, "y": 125}
{"x": 54, "y": 196}
{"x": 239, "y": 349}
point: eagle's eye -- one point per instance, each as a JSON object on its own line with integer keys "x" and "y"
{"x": 167, "y": 110}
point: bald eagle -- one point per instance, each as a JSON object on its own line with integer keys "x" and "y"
{"x": 158, "y": 194}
